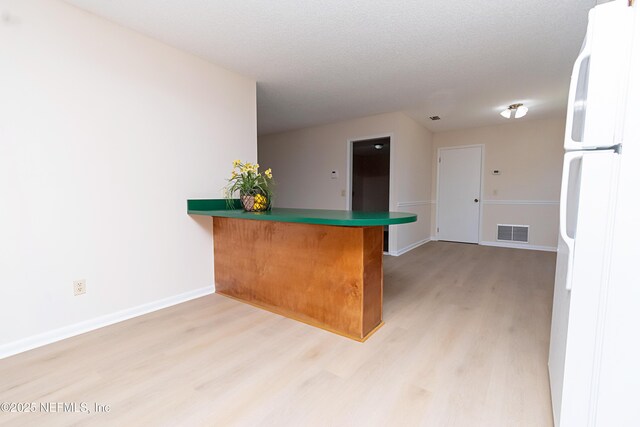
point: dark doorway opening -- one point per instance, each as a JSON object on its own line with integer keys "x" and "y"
{"x": 370, "y": 177}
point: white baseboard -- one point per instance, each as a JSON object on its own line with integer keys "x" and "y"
{"x": 59, "y": 334}
{"x": 519, "y": 246}
{"x": 410, "y": 247}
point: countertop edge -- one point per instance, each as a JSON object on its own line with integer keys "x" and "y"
{"x": 356, "y": 222}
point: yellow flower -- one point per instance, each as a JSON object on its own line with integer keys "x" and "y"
{"x": 236, "y": 163}
{"x": 268, "y": 173}
{"x": 234, "y": 175}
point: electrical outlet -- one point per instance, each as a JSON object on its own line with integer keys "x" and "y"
{"x": 79, "y": 287}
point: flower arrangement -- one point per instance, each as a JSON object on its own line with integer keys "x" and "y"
{"x": 255, "y": 188}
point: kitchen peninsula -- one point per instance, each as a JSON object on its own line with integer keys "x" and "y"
{"x": 321, "y": 267}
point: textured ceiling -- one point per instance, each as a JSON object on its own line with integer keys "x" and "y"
{"x": 318, "y": 62}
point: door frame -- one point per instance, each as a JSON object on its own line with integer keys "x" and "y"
{"x": 481, "y": 202}
{"x": 393, "y": 239}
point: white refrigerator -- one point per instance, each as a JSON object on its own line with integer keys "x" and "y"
{"x": 597, "y": 266}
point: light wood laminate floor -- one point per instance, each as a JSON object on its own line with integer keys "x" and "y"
{"x": 465, "y": 344}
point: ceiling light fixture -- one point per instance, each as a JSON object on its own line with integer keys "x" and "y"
{"x": 514, "y": 111}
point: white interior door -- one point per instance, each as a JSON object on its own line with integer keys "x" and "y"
{"x": 459, "y": 177}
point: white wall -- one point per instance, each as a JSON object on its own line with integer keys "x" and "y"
{"x": 302, "y": 161}
{"x": 529, "y": 155}
{"x": 104, "y": 135}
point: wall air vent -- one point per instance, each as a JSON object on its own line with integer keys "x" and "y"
{"x": 513, "y": 233}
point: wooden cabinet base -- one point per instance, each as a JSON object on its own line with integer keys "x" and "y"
{"x": 326, "y": 276}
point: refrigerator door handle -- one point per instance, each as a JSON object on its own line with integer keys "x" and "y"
{"x": 569, "y": 160}
{"x": 577, "y": 79}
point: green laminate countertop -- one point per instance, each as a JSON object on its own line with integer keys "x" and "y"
{"x": 217, "y": 207}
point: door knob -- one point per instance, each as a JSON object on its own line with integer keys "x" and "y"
{"x": 475, "y": 200}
